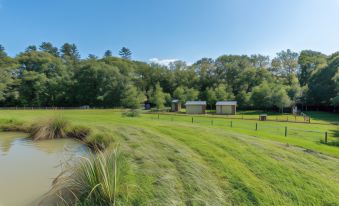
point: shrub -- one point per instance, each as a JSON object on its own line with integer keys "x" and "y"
{"x": 99, "y": 140}
{"x": 132, "y": 113}
{"x": 79, "y": 132}
{"x": 13, "y": 125}
{"x": 51, "y": 129}
{"x": 98, "y": 179}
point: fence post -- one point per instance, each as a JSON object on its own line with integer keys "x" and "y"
{"x": 325, "y": 137}
{"x": 285, "y": 131}
{"x": 256, "y": 126}
{"x": 192, "y": 120}
{"x": 231, "y": 124}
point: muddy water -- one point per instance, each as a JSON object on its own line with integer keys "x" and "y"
{"x": 27, "y": 168}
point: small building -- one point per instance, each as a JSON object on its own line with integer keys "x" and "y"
{"x": 176, "y": 106}
{"x": 195, "y": 107}
{"x": 226, "y": 107}
{"x": 263, "y": 117}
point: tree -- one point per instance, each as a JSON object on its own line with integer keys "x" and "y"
{"x": 132, "y": 98}
{"x": 285, "y": 63}
{"x": 309, "y": 61}
{"x": 31, "y": 48}
{"x": 211, "y": 98}
{"x": 3, "y": 53}
{"x": 280, "y": 99}
{"x": 125, "y": 53}
{"x": 70, "y": 51}
{"x": 191, "y": 94}
{"x": 33, "y": 89}
{"x": 49, "y": 48}
{"x": 108, "y": 53}
{"x": 158, "y": 97}
{"x": 261, "y": 96}
{"x": 180, "y": 94}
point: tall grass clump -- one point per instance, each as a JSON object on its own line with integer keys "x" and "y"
{"x": 132, "y": 113}
{"x": 99, "y": 179}
{"x": 50, "y": 129}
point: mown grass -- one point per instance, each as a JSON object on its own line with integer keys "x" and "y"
{"x": 174, "y": 162}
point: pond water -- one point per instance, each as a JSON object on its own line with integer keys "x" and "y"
{"x": 28, "y": 168}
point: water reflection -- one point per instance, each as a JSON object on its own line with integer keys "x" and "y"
{"x": 28, "y": 168}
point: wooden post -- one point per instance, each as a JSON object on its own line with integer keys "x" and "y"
{"x": 325, "y": 137}
{"x": 285, "y": 131}
{"x": 192, "y": 120}
{"x": 256, "y": 126}
{"x": 231, "y": 124}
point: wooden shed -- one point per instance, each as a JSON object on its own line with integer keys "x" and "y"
{"x": 176, "y": 106}
{"x": 195, "y": 107}
{"x": 226, "y": 107}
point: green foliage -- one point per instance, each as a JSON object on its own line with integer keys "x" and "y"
{"x": 132, "y": 98}
{"x": 132, "y": 113}
{"x": 158, "y": 97}
{"x": 59, "y": 77}
{"x": 125, "y": 53}
{"x": 78, "y": 132}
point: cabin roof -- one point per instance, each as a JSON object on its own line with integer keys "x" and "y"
{"x": 222, "y": 103}
{"x": 196, "y": 103}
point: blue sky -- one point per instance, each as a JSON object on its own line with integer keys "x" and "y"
{"x": 172, "y": 29}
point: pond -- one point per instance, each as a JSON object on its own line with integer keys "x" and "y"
{"x": 28, "y": 168}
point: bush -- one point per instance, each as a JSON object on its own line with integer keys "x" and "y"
{"x": 132, "y": 113}
{"x": 96, "y": 180}
{"x": 99, "y": 140}
{"x": 79, "y": 132}
{"x": 12, "y": 125}
{"x": 50, "y": 129}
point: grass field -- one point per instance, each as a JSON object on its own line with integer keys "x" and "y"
{"x": 172, "y": 161}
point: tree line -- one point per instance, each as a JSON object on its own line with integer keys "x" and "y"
{"x": 51, "y": 76}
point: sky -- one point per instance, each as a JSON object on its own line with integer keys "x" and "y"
{"x": 167, "y": 30}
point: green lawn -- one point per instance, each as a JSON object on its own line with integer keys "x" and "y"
{"x": 174, "y": 162}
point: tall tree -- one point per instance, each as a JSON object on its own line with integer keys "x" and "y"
{"x": 158, "y": 97}
{"x": 31, "y": 48}
{"x": 49, "y": 48}
{"x": 132, "y": 98}
{"x": 70, "y": 51}
{"x": 309, "y": 61}
{"x": 125, "y": 53}
{"x": 285, "y": 64}
{"x": 108, "y": 53}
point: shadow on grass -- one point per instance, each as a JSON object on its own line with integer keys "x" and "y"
{"x": 324, "y": 116}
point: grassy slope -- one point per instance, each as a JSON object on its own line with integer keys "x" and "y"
{"x": 179, "y": 163}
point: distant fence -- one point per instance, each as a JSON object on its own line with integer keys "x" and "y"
{"x": 283, "y": 130}
{"x": 60, "y": 108}
{"x": 295, "y": 119}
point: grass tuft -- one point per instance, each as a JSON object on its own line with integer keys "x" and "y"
{"x": 95, "y": 179}
{"x": 79, "y": 132}
{"x": 51, "y": 129}
{"x": 132, "y": 113}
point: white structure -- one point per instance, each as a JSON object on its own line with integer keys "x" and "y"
{"x": 195, "y": 107}
{"x": 226, "y": 107}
